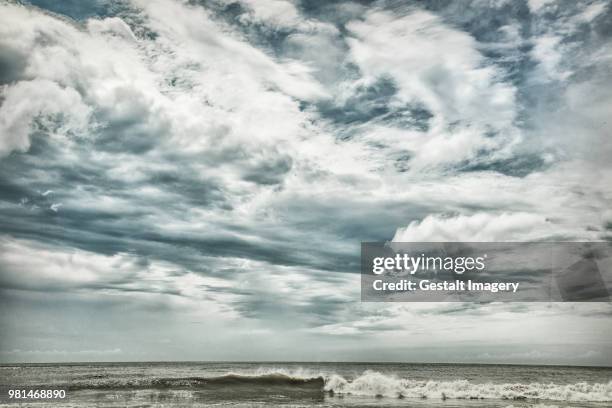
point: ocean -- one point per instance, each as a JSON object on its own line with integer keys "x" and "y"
{"x": 199, "y": 384}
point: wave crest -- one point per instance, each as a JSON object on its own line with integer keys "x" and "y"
{"x": 227, "y": 380}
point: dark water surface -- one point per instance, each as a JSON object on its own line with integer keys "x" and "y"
{"x": 312, "y": 385}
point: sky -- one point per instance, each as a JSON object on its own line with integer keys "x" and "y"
{"x": 191, "y": 180}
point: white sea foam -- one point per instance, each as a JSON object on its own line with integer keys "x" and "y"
{"x": 372, "y": 383}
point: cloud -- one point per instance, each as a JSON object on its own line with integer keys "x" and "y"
{"x": 219, "y": 163}
{"x": 453, "y": 82}
{"x": 275, "y": 13}
{"x": 536, "y": 5}
{"x": 39, "y": 104}
{"x": 547, "y": 53}
{"x": 122, "y": 278}
{"x": 111, "y": 26}
{"x": 480, "y": 227}
{"x": 469, "y": 106}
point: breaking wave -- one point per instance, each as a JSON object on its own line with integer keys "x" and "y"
{"x": 375, "y": 384}
{"x": 368, "y": 384}
{"x": 228, "y": 380}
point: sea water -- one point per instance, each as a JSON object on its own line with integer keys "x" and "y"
{"x": 199, "y": 384}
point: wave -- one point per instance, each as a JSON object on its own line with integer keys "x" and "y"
{"x": 368, "y": 384}
{"x": 228, "y": 380}
{"x": 375, "y": 384}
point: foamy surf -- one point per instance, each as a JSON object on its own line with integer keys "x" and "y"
{"x": 375, "y": 384}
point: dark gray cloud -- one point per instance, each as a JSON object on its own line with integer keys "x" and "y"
{"x": 12, "y": 64}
